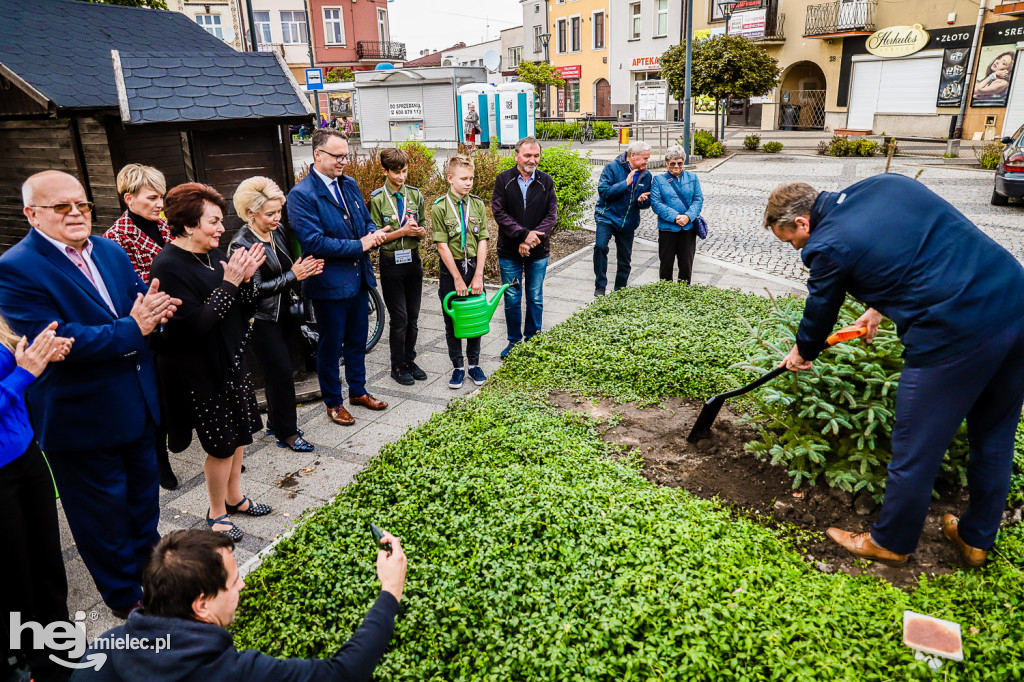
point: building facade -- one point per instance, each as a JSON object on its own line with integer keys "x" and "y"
{"x": 470, "y": 55}
{"x": 535, "y": 25}
{"x": 832, "y": 79}
{"x": 579, "y": 50}
{"x": 281, "y": 27}
{"x": 224, "y": 19}
{"x": 354, "y": 35}
{"x": 512, "y": 49}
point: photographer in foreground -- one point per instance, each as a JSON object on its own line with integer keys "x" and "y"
{"x": 190, "y": 594}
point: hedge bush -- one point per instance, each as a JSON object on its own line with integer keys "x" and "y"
{"x": 989, "y": 155}
{"x": 574, "y": 185}
{"x": 705, "y": 144}
{"x": 772, "y": 147}
{"x": 751, "y": 142}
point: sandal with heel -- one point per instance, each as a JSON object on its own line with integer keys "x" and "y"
{"x": 234, "y": 532}
{"x": 253, "y": 510}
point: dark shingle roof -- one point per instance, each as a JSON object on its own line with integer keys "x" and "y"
{"x": 207, "y": 86}
{"x": 62, "y": 47}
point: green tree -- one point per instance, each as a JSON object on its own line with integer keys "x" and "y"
{"x": 539, "y": 74}
{"x": 151, "y": 4}
{"x": 339, "y": 74}
{"x": 723, "y": 66}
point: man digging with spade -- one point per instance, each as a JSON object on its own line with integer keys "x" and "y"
{"x": 955, "y": 297}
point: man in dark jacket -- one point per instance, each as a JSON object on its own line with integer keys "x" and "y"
{"x": 191, "y": 588}
{"x": 525, "y": 209}
{"x": 624, "y": 189}
{"x": 955, "y": 297}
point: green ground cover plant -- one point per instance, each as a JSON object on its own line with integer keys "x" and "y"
{"x": 751, "y": 142}
{"x": 705, "y": 144}
{"x": 773, "y": 147}
{"x": 989, "y": 155}
{"x": 537, "y": 551}
{"x": 642, "y": 344}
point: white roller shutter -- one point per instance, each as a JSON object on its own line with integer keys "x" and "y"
{"x": 1015, "y": 105}
{"x": 373, "y": 116}
{"x": 864, "y": 95}
{"x": 909, "y": 86}
{"x": 439, "y": 112}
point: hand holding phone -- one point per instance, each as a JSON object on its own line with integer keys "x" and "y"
{"x": 378, "y": 535}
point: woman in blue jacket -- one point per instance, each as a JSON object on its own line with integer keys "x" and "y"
{"x": 677, "y": 200}
{"x": 35, "y": 587}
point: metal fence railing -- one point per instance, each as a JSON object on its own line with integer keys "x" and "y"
{"x": 840, "y": 17}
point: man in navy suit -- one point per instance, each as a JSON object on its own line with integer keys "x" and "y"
{"x": 330, "y": 220}
{"x": 94, "y": 413}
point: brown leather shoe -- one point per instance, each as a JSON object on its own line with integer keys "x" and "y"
{"x": 862, "y": 545}
{"x": 367, "y": 401}
{"x": 971, "y": 556}
{"x": 339, "y": 415}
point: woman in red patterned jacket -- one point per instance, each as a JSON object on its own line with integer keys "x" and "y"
{"x": 142, "y": 233}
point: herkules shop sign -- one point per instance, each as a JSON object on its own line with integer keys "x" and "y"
{"x": 897, "y": 41}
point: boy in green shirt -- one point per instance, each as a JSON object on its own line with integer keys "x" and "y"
{"x": 399, "y": 208}
{"x": 459, "y": 221}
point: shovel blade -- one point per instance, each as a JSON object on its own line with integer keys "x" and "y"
{"x": 706, "y": 418}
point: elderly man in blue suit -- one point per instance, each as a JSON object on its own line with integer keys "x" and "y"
{"x": 95, "y": 413}
{"x": 330, "y": 220}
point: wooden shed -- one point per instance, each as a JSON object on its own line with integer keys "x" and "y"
{"x": 87, "y": 88}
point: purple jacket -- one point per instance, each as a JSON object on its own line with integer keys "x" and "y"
{"x": 516, "y": 218}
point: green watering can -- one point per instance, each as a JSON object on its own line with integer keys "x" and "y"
{"x": 472, "y": 314}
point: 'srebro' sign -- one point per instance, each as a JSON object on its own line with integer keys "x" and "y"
{"x": 405, "y": 111}
{"x": 897, "y": 41}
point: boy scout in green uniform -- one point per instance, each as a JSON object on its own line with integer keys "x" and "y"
{"x": 459, "y": 221}
{"x": 399, "y": 208}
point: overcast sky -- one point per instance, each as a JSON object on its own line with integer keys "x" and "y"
{"x": 420, "y": 27}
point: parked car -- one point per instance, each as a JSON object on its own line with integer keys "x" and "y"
{"x": 1010, "y": 171}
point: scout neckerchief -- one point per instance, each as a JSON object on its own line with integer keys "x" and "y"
{"x": 399, "y": 215}
{"x": 462, "y": 224}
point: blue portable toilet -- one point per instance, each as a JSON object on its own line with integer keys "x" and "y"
{"x": 482, "y": 95}
{"x": 516, "y": 117}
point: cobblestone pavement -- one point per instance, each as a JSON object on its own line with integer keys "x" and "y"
{"x": 735, "y": 193}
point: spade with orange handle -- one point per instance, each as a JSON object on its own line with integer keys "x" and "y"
{"x": 708, "y": 414}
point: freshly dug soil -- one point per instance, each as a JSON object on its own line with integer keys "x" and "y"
{"x": 718, "y": 466}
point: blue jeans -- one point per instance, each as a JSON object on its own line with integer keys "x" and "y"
{"x": 623, "y": 252}
{"x": 530, "y": 274}
{"x": 985, "y": 385}
{"x": 344, "y": 324}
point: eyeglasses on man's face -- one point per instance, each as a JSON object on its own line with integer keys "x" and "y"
{"x": 337, "y": 157}
{"x": 64, "y": 209}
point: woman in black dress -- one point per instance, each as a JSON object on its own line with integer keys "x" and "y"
{"x": 200, "y": 352}
{"x": 259, "y": 202}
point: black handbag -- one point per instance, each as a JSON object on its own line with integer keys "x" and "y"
{"x": 310, "y": 341}
{"x": 296, "y": 310}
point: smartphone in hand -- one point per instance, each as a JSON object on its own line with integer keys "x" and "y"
{"x": 377, "y": 535}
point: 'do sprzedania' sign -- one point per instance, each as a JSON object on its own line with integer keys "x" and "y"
{"x": 897, "y": 41}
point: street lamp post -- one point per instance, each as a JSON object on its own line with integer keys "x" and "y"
{"x": 727, "y": 7}
{"x": 687, "y": 101}
{"x": 545, "y": 38}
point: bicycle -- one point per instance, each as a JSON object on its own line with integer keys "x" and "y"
{"x": 585, "y": 130}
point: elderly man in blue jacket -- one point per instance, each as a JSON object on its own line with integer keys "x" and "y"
{"x": 624, "y": 189}
{"x": 955, "y": 297}
{"x": 330, "y": 220}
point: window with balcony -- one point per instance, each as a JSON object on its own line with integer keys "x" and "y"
{"x": 515, "y": 55}
{"x": 293, "y": 27}
{"x": 211, "y": 22}
{"x": 660, "y": 18}
{"x": 263, "y": 27}
{"x": 383, "y": 34}
{"x": 560, "y": 30}
{"x": 334, "y": 26}
{"x": 635, "y": 22}
{"x": 598, "y": 38}
{"x": 575, "y": 30}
